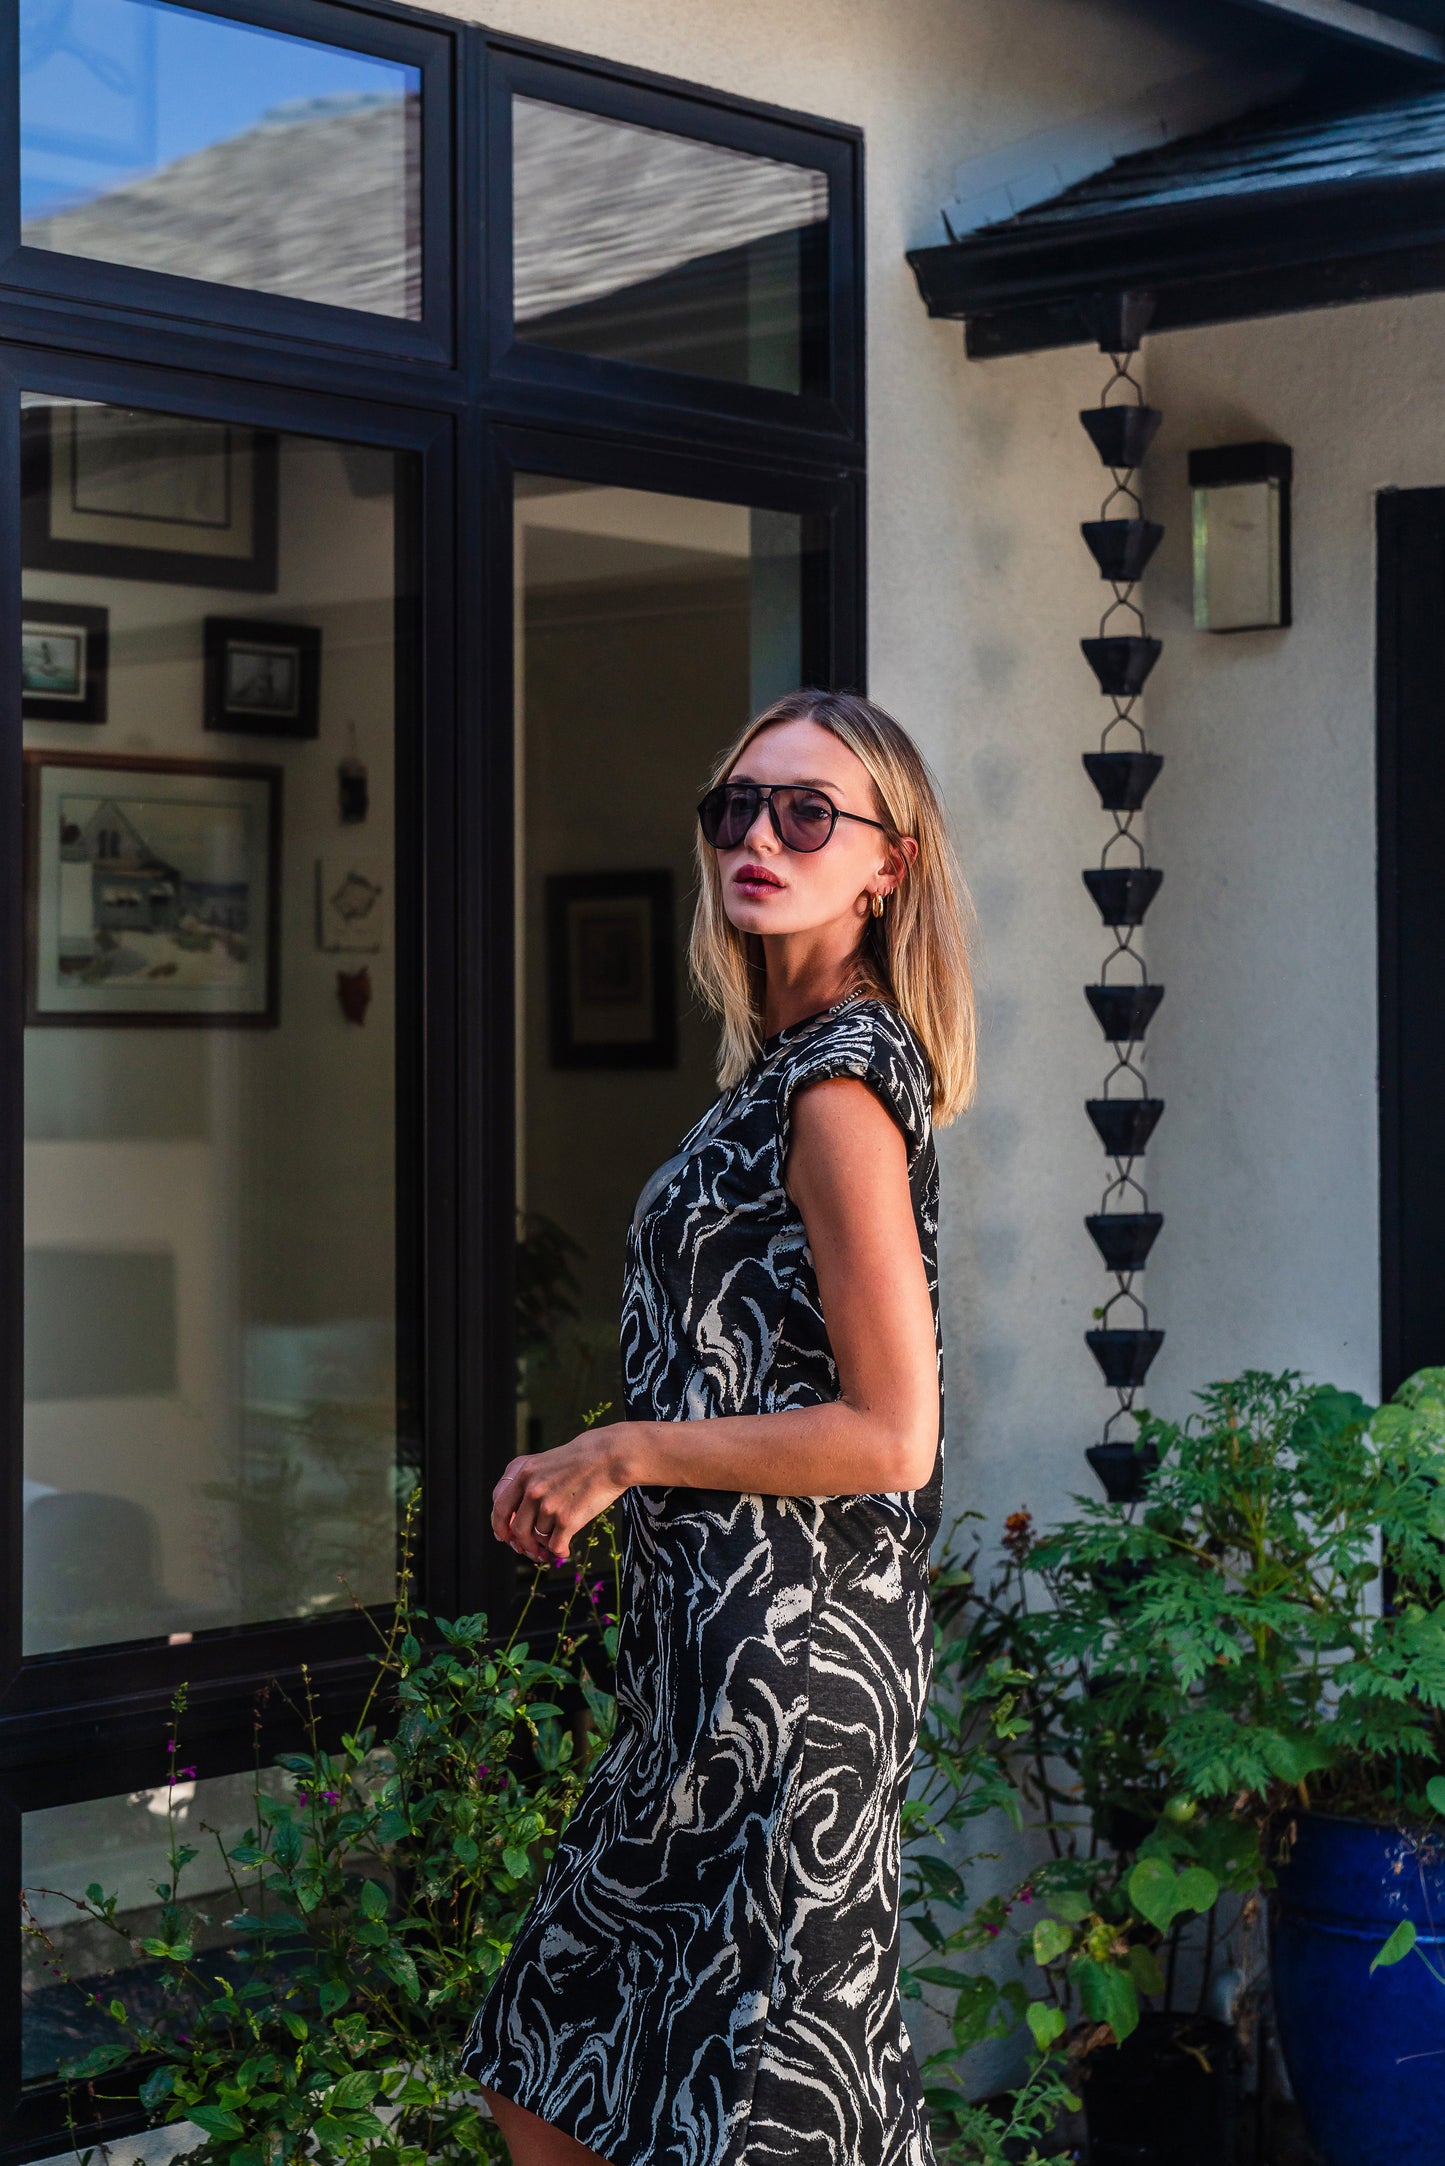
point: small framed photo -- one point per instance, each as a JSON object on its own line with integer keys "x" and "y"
{"x": 612, "y": 1000}
{"x": 262, "y": 678}
{"x": 126, "y": 492}
{"x": 152, "y": 890}
{"x": 63, "y": 661}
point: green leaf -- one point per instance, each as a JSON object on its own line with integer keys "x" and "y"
{"x": 1294, "y": 1756}
{"x": 1160, "y": 1894}
{"x": 1397, "y": 1947}
{"x": 157, "y": 2088}
{"x": 398, "y": 1965}
{"x": 374, "y": 1899}
{"x": 1196, "y": 1889}
{"x": 1065, "y": 1903}
{"x": 354, "y": 2092}
{"x": 1145, "y": 1972}
{"x": 1047, "y": 2024}
{"x": 1435, "y": 1791}
{"x": 215, "y": 2121}
{"x": 1051, "y": 1938}
{"x": 1107, "y": 1996}
{"x": 518, "y": 1864}
{"x": 98, "y": 2062}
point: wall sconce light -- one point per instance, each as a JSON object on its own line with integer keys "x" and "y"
{"x": 1240, "y": 496}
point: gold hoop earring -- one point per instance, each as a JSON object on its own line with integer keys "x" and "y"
{"x": 877, "y": 904}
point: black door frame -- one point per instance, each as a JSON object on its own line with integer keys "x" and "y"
{"x": 1410, "y": 782}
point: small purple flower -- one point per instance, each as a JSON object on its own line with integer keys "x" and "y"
{"x": 304, "y": 1796}
{"x": 994, "y": 1931}
{"x": 482, "y": 1768}
{"x": 331, "y": 1797}
{"x": 184, "y": 1774}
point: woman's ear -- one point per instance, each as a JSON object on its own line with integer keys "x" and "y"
{"x": 901, "y": 854}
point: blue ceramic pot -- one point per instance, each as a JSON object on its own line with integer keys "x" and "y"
{"x": 1366, "y": 2055}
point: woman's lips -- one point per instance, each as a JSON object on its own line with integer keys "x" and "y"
{"x": 757, "y": 880}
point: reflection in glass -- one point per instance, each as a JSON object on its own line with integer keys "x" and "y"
{"x": 171, "y": 140}
{"x": 635, "y": 245}
{"x": 215, "y": 1430}
{"x": 651, "y": 626}
{"x": 121, "y": 1844}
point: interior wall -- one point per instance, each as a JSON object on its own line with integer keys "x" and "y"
{"x": 262, "y": 1160}
{"x": 1267, "y": 1160}
{"x": 595, "y": 1134}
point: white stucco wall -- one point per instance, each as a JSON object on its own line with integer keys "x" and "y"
{"x": 1264, "y": 819}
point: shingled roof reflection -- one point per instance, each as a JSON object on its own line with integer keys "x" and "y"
{"x": 319, "y": 202}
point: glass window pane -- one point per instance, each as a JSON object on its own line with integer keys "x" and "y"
{"x": 170, "y": 140}
{"x": 635, "y": 245}
{"x": 214, "y": 1426}
{"x": 651, "y": 626}
{"x": 121, "y": 1843}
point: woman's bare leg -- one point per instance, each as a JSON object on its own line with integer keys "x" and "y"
{"x": 534, "y": 2142}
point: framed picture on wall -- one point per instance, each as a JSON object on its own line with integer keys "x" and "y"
{"x": 611, "y": 997}
{"x": 63, "y": 661}
{"x": 152, "y": 890}
{"x": 262, "y": 678}
{"x": 123, "y": 492}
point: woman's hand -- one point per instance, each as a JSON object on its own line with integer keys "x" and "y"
{"x": 544, "y": 1498}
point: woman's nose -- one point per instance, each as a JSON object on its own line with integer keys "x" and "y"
{"x": 761, "y": 834}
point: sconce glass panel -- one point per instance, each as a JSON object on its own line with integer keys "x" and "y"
{"x": 1240, "y": 521}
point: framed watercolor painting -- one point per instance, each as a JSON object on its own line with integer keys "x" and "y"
{"x": 152, "y": 890}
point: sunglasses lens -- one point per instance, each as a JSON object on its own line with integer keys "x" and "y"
{"x": 726, "y": 815}
{"x": 807, "y": 818}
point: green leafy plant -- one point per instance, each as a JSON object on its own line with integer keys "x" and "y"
{"x": 1235, "y": 1629}
{"x": 1199, "y": 1668}
{"x": 321, "y": 2013}
{"x": 367, "y": 1908}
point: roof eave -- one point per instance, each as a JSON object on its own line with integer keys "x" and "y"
{"x": 1215, "y": 260}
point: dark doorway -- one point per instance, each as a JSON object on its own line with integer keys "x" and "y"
{"x": 1411, "y": 787}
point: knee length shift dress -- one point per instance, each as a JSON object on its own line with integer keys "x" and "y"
{"x": 708, "y": 1974}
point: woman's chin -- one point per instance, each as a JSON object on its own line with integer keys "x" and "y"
{"x": 756, "y": 914}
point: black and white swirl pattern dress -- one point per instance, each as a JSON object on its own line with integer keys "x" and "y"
{"x": 708, "y": 1975}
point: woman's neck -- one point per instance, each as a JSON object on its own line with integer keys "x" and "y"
{"x": 807, "y": 988}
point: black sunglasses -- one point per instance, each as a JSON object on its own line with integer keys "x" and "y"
{"x": 803, "y": 818}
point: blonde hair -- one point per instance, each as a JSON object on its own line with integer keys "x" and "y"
{"x": 916, "y": 956}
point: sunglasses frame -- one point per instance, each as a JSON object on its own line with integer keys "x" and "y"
{"x": 763, "y": 791}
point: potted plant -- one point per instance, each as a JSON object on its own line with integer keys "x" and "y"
{"x": 1257, "y": 1656}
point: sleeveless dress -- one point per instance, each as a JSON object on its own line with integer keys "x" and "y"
{"x": 708, "y": 1973}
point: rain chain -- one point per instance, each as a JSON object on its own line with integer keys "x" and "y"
{"x": 1123, "y": 770}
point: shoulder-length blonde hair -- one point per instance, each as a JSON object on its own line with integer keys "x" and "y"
{"x": 916, "y": 956}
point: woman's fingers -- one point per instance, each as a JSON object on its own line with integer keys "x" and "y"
{"x": 518, "y": 1502}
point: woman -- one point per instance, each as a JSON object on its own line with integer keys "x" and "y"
{"x": 708, "y": 1975}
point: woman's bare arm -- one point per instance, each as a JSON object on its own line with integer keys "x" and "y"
{"x": 847, "y": 1172}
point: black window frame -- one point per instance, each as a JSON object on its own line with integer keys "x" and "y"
{"x": 381, "y": 34}
{"x": 521, "y": 70}
{"x": 92, "y": 1724}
